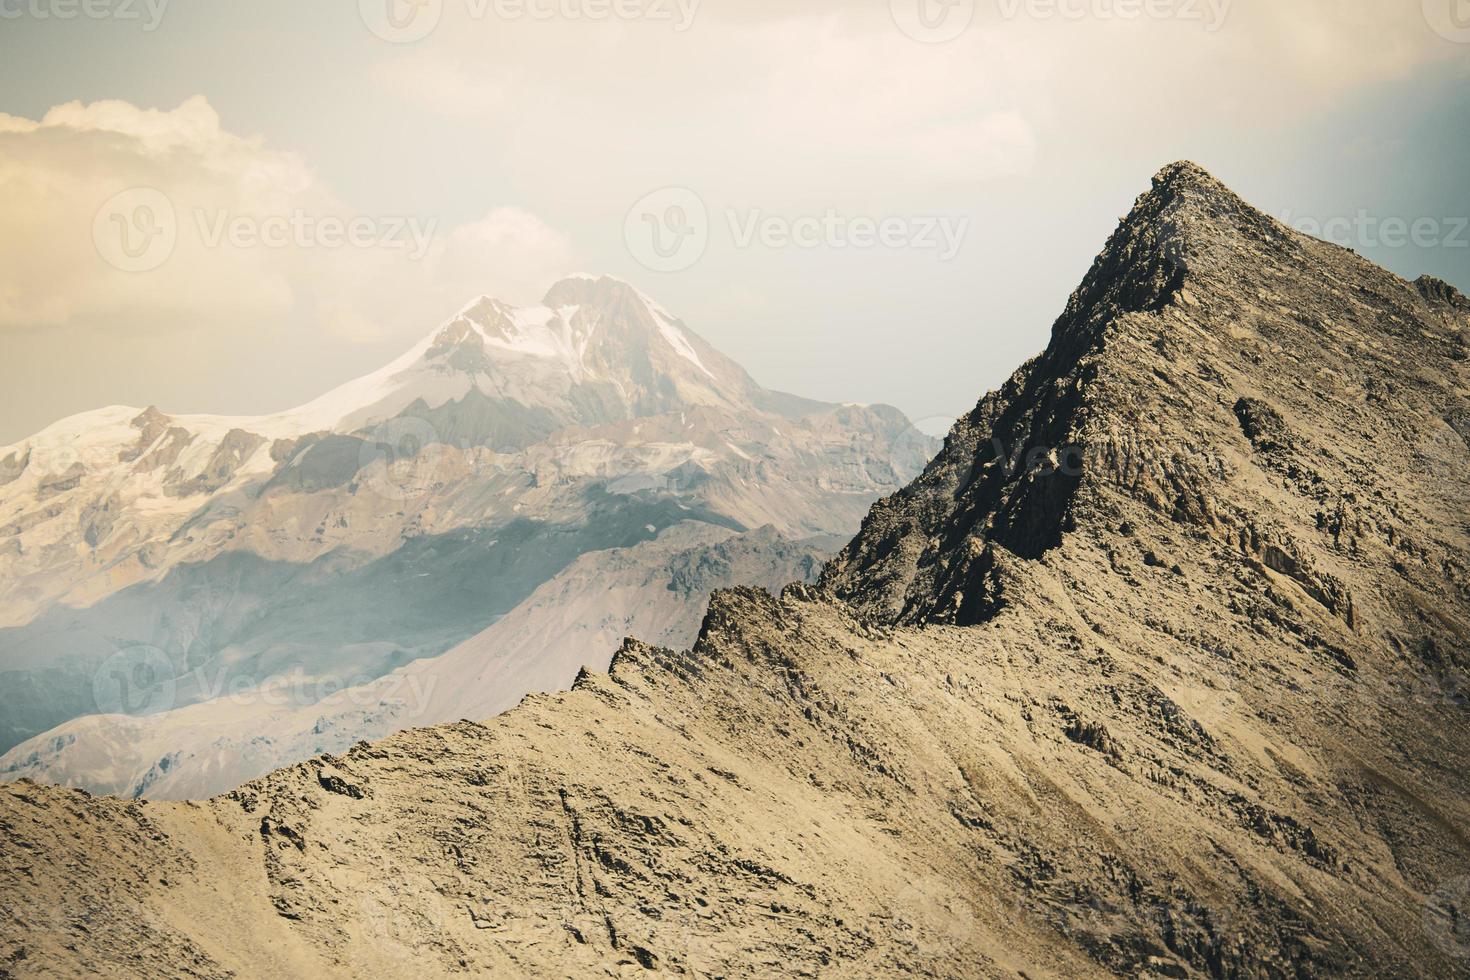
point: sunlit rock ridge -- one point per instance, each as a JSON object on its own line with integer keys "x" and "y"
{"x": 1155, "y": 671}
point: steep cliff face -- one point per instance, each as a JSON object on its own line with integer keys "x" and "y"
{"x": 1228, "y": 375}
{"x": 1157, "y": 670}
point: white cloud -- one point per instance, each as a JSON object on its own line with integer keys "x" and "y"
{"x": 759, "y": 98}
{"x": 1035, "y": 129}
{"x": 57, "y": 172}
{"x": 515, "y": 249}
{"x": 255, "y": 234}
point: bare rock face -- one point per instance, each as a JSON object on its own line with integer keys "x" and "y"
{"x": 1158, "y": 670}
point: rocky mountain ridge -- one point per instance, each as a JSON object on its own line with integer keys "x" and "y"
{"x": 575, "y": 621}
{"x": 1155, "y": 671}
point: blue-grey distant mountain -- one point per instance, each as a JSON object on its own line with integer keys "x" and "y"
{"x": 400, "y": 513}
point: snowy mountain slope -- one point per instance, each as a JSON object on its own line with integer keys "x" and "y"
{"x": 1158, "y": 670}
{"x": 576, "y": 620}
{"x": 493, "y": 378}
{"x": 401, "y": 513}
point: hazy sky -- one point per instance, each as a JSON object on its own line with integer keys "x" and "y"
{"x": 229, "y": 207}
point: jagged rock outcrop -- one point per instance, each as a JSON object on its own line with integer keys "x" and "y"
{"x": 1116, "y": 687}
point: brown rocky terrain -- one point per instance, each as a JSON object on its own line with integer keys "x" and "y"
{"x": 1158, "y": 670}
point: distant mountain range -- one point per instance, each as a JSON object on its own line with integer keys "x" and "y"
{"x": 150, "y": 561}
{"x": 1158, "y": 670}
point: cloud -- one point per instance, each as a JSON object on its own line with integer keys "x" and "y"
{"x": 142, "y": 220}
{"x": 1036, "y": 129}
{"x": 56, "y": 173}
{"x": 760, "y": 98}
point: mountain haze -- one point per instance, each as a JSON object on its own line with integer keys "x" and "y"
{"x": 1156, "y": 670}
{"x": 152, "y": 561}
{"x": 658, "y": 589}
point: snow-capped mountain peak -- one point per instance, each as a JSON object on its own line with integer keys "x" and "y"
{"x": 595, "y": 350}
{"x": 612, "y": 295}
{"x": 596, "y": 330}
{"x": 595, "y": 410}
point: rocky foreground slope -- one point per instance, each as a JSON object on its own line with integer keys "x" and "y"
{"x": 1157, "y": 670}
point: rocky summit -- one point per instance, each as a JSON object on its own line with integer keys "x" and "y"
{"x": 1157, "y": 670}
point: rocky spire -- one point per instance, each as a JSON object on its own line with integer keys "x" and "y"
{"x": 1198, "y": 303}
